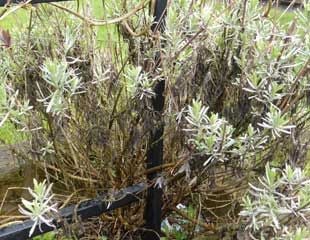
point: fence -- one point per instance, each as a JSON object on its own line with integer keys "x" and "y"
{"x": 124, "y": 197}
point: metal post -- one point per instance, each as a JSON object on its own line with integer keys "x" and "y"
{"x": 152, "y": 214}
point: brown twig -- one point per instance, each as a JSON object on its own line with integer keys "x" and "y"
{"x": 97, "y": 22}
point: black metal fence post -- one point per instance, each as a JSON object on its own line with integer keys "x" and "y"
{"x": 155, "y": 151}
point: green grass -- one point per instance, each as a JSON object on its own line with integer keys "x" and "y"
{"x": 277, "y": 15}
{"x": 18, "y": 18}
{"x": 9, "y": 135}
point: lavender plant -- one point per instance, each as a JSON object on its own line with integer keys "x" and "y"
{"x": 41, "y": 208}
{"x": 62, "y": 80}
{"x": 236, "y": 77}
{"x": 277, "y": 207}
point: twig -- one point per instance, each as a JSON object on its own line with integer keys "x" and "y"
{"x": 6, "y": 12}
{"x": 97, "y": 22}
{"x": 132, "y": 32}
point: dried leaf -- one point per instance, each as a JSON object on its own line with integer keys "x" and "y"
{"x": 5, "y": 38}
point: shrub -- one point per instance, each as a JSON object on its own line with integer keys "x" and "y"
{"x": 236, "y": 98}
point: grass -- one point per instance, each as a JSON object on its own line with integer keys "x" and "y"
{"x": 277, "y": 15}
{"x": 9, "y": 135}
{"x": 18, "y": 18}
{"x": 105, "y": 34}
